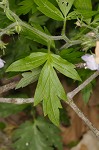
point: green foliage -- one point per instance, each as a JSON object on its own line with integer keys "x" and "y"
{"x": 50, "y": 90}
{"x": 29, "y": 77}
{"x": 71, "y": 55}
{"x": 83, "y": 10}
{"x": 49, "y": 9}
{"x": 85, "y": 5}
{"x": 65, "y": 6}
{"x": 48, "y": 83}
{"x": 65, "y": 67}
{"x": 85, "y": 14}
{"x": 37, "y": 34}
{"x": 40, "y": 135}
{"x": 30, "y": 62}
{"x": 9, "y": 109}
{"x": 35, "y": 60}
{"x": 38, "y": 18}
{"x": 3, "y": 20}
{"x": 26, "y": 6}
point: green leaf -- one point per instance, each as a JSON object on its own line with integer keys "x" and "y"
{"x": 82, "y": 14}
{"x": 65, "y": 67}
{"x": 4, "y": 21}
{"x": 50, "y": 131}
{"x": 72, "y": 55}
{"x": 41, "y": 135}
{"x": 30, "y": 62}
{"x": 87, "y": 92}
{"x": 65, "y": 6}
{"x": 28, "y": 78}
{"x": 26, "y": 6}
{"x": 36, "y": 33}
{"x": 38, "y": 18}
{"x": 85, "y": 5}
{"x": 49, "y": 9}
{"x": 96, "y": 18}
{"x": 9, "y": 109}
{"x": 49, "y": 89}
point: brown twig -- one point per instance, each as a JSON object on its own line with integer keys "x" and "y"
{"x": 80, "y": 87}
{"x": 83, "y": 117}
{"x": 16, "y": 100}
{"x": 8, "y": 87}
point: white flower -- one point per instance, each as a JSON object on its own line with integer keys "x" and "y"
{"x": 90, "y": 62}
{"x": 1, "y": 63}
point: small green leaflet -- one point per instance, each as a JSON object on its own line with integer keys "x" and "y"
{"x": 49, "y": 89}
{"x": 65, "y": 67}
{"x": 82, "y": 14}
{"x": 85, "y": 5}
{"x": 26, "y": 6}
{"x": 49, "y": 9}
{"x": 40, "y": 135}
{"x": 38, "y": 18}
{"x": 72, "y": 55}
{"x": 65, "y": 6}
{"x": 29, "y": 77}
{"x": 30, "y": 62}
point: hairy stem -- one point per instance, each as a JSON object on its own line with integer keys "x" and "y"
{"x": 83, "y": 117}
{"x": 8, "y": 87}
{"x": 17, "y": 100}
{"x": 80, "y": 87}
{"x": 36, "y": 31}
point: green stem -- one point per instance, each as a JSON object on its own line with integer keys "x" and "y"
{"x": 34, "y": 30}
{"x": 71, "y": 43}
{"x": 49, "y": 45}
{"x": 5, "y": 30}
{"x": 64, "y": 27}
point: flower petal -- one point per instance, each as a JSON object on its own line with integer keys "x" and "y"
{"x": 1, "y": 63}
{"x": 90, "y": 61}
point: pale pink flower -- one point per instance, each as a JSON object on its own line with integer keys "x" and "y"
{"x": 90, "y": 62}
{"x": 2, "y": 62}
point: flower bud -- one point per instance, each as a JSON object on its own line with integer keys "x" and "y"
{"x": 18, "y": 28}
{"x": 2, "y": 45}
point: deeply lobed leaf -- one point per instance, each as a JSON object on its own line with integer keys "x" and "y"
{"x": 49, "y": 89}
{"x": 41, "y": 135}
{"x": 29, "y": 77}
